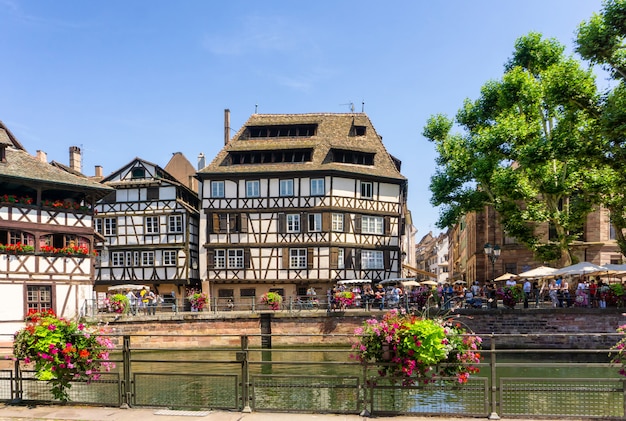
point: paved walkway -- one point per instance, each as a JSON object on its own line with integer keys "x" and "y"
{"x": 92, "y": 413}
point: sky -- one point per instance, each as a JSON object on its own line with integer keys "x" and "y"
{"x": 147, "y": 78}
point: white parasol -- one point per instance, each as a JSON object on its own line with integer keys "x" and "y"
{"x": 132, "y": 287}
{"x": 354, "y": 282}
{"x": 538, "y": 272}
{"x": 579, "y": 269}
{"x": 505, "y": 277}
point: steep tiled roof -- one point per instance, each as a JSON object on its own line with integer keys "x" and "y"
{"x": 23, "y": 167}
{"x": 334, "y": 131}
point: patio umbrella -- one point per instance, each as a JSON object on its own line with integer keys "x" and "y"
{"x": 579, "y": 269}
{"x": 611, "y": 269}
{"x": 505, "y": 277}
{"x": 459, "y": 282}
{"x": 354, "y": 282}
{"x": 132, "y": 287}
{"x": 429, "y": 282}
{"x": 410, "y": 284}
{"x": 538, "y": 272}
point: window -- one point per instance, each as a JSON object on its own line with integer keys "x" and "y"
{"x": 315, "y": 222}
{"x": 147, "y": 258}
{"x": 170, "y": 257}
{"x": 372, "y": 259}
{"x": 152, "y": 224}
{"x": 220, "y": 259}
{"x": 110, "y": 226}
{"x": 252, "y": 188}
{"x": 117, "y": 258}
{"x": 38, "y": 297}
{"x": 19, "y": 237}
{"x": 510, "y": 267}
{"x": 372, "y": 225}
{"x": 138, "y": 173}
{"x": 247, "y": 292}
{"x": 297, "y": 258}
{"x": 175, "y": 223}
{"x": 129, "y": 259}
{"x": 286, "y": 188}
{"x": 317, "y": 187}
{"x": 367, "y": 190}
{"x": 337, "y": 222}
{"x": 293, "y": 222}
{"x": 341, "y": 264}
{"x": 235, "y": 259}
{"x": 217, "y": 189}
{"x": 97, "y": 225}
{"x": 152, "y": 193}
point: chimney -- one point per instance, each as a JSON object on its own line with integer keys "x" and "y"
{"x": 42, "y": 156}
{"x": 75, "y": 161}
{"x": 201, "y": 161}
{"x": 226, "y": 126}
{"x": 99, "y": 171}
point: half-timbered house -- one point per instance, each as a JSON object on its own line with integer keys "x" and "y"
{"x": 299, "y": 201}
{"x": 46, "y": 235}
{"x": 150, "y": 228}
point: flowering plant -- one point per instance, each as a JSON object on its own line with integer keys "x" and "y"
{"x": 272, "y": 299}
{"x": 510, "y": 295}
{"x": 119, "y": 303}
{"x": 61, "y": 350}
{"x": 197, "y": 299}
{"x": 11, "y": 198}
{"x": 620, "y": 347}
{"x": 17, "y": 248}
{"x": 345, "y": 298}
{"x": 414, "y": 349}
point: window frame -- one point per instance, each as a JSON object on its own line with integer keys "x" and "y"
{"x": 372, "y": 259}
{"x": 170, "y": 257}
{"x": 286, "y": 188}
{"x": 374, "y": 225}
{"x": 151, "y": 224}
{"x": 109, "y": 226}
{"x": 118, "y": 258}
{"x": 337, "y": 222}
{"x": 253, "y": 188}
{"x": 38, "y": 303}
{"x": 293, "y": 223}
{"x": 175, "y": 220}
{"x": 341, "y": 258}
{"x": 218, "y": 189}
{"x": 318, "y": 186}
{"x": 315, "y": 222}
{"x": 236, "y": 259}
{"x": 147, "y": 258}
{"x": 367, "y": 190}
{"x": 219, "y": 259}
{"x": 297, "y": 258}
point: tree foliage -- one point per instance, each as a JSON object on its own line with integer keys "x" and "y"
{"x": 527, "y": 147}
{"x": 601, "y": 41}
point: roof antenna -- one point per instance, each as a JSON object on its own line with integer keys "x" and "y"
{"x": 351, "y": 104}
{"x": 362, "y": 106}
{"x": 256, "y": 108}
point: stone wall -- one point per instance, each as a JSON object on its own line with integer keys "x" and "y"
{"x": 567, "y": 327}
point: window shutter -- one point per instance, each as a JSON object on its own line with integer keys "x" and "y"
{"x": 210, "y": 254}
{"x": 387, "y": 227}
{"x": 282, "y": 222}
{"x": 326, "y": 221}
{"x": 357, "y": 224}
{"x": 309, "y": 258}
{"x": 348, "y": 259}
{"x": 304, "y": 222}
{"x": 246, "y": 258}
{"x": 357, "y": 259}
{"x": 334, "y": 258}
{"x": 243, "y": 222}
{"x": 285, "y": 258}
{"x": 386, "y": 259}
{"x": 232, "y": 222}
{"x": 215, "y": 223}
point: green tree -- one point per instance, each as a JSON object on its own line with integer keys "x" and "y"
{"x": 526, "y": 148}
{"x": 601, "y": 41}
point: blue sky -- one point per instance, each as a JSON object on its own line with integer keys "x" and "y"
{"x": 147, "y": 78}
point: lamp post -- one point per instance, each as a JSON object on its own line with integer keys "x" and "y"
{"x": 493, "y": 252}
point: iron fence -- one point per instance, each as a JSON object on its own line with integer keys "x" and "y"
{"x": 152, "y": 372}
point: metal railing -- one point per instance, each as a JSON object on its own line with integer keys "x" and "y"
{"x": 240, "y": 373}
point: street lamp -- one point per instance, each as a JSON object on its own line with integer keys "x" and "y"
{"x": 493, "y": 252}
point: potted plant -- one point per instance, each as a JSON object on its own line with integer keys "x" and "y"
{"x": 62, "y": 351}
{"x": 620, "y": 348}
{"x": 510, "y": 295}
{"x": 412, "y": 349}
{"x": 119, "y": 303}
{"x": 197, "y": 299}
{"x": 344, "y": 298}
{"x": 272, "y": 299}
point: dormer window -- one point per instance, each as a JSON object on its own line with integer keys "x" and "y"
{"x": 3, "y": 153}
{"x": 138, "y": 173}
{"x": 358, "y": 130}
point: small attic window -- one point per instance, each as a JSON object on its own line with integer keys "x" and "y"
{"x": 358, "y": 130}
{"x": 138, "y": 173}
{"x": 3, "y": 153}
{"x": 290, "y": 130}
{"x": 352, "y": 157}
